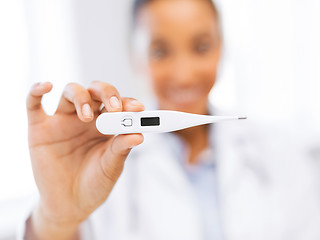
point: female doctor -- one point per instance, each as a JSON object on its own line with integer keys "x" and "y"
{"x": 206, "y": 182}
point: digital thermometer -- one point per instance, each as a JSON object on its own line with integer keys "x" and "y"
{"x": 112, "y": 123}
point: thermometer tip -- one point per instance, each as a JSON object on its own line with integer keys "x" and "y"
{"x": 242, "y": 118}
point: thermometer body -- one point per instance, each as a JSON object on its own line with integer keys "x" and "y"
{"x": 152, "y": 121}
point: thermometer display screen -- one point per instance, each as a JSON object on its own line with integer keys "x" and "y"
{"x": 150, "y": 121}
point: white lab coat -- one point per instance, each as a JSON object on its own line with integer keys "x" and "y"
{"x": 268, "y": 191}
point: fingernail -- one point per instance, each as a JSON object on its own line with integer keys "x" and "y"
{"x": 114, "y": 102}
{"x": 86, "y": 111}
{"x": 135, "y": 103}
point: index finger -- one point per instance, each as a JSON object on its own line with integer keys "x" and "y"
{"x": 106, "y": 94}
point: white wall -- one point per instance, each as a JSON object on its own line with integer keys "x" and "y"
{"x": 272, "y": 50}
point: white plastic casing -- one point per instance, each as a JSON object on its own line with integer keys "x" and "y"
{"x": 130, "y": 122}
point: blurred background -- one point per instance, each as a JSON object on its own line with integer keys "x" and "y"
{"x": 270, "y": 70}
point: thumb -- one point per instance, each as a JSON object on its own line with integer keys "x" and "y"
{"x": 113, "y": 159}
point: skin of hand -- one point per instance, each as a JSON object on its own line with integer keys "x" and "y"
{"x": 75, "y": 167}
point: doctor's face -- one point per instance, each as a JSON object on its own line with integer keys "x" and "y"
{"x": 183, "y": 50}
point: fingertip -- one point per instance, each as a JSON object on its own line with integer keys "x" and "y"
{"x": 124, "y": 143}
{"x": 132, "y": 105}
{"x": 138, "y": 139}
{"x": 134, "y": 139}
{"x": 106, "y": 94}
{"x": 137, "y": 105}
{"x": 40, "y": 88}
{"x": 48, "y": 85}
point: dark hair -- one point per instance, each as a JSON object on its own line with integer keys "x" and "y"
{"x": 138, "y": 4}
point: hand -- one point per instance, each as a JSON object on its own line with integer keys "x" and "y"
{"x": 74, "y": 166}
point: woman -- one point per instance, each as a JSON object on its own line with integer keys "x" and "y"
{"x": 170, "y": 187}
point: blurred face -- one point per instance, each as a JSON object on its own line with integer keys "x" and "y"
{"x": 183, "y": 51}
